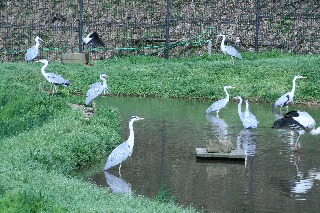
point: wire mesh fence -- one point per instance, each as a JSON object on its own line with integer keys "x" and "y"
{"x": 139, "y": 26}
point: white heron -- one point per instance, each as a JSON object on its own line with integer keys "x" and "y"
{"x": 33, "y": 51}
{"x": 97, "y": 88}
{"x": 299, "y": 122}
{"x": 249, "y": 121}
{"x": 52, "y": 78}
{"x": 124, "y": 150}
{"x": 93, "y": 40}
{"x": 229, "y": 50}
{"x": 285, "y": 99}
{"x": 219, "y": 104}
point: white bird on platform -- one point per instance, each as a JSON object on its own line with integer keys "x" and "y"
{"x": 299, "y": 122}
{"x": 33, "y": 51}
{"x": 93, "y": 41}
{"x": 52, "y": 78}
{"x": 229, "y": 50}
{"x": 249, "y": 121}
{"x": 285, "y": 99}
{"x": 124, "y": 150}
{"x": 97, "y": 88}
{"x": 216, "y": 106}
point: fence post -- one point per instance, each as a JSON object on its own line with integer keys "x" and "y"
{"x": 80, "y": 25}
{"x": 257, "y": 25}
{"x": 167, "y": 30}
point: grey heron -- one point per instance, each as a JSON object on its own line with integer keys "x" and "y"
{"x": 124, "y": 150}
{"x": 229, "y": 50}
{"x": 219, "y": 104}
{"x": 299, "y": 122}
{"x": 249, "y": 121}
{"x": 97, "y": 88}
{"x": 93, "y": 40}
{"x": 33, "y": 51}
{"x": 285, "y": 99}
{"x": 52, "y": 78}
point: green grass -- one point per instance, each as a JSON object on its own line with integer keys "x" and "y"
{"x": 43, "y": 141}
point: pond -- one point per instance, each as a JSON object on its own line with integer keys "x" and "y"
{"x": 272, "y": 178}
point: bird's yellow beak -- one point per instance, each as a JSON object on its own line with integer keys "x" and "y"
{"x": 141, "y": 118}
{"x": 304, "y": 77}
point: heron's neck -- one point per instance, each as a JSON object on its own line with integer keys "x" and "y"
{"x": 239, "y": 108}
{"x": 131, "y": 134}
{"x": 42, "y": 69}
{"x": 315, "y": 131}
{"x": 227, "y": 94}
{"x": 293, "y": 85}
{"x": 222, "y": 43}
{"x": 104, "y": 82}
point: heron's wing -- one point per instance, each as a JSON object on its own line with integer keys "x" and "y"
{"x": 31, "y": 53}
{"x": 95, "y": 41}
{"x": 283, "y": 100}
{"x": 57, "y": 79}
{"x": 118, "y": 155}
{"x": 287, "y": 123}
{"x": 250, "y": 121}
{"x": 217, "y": 105}
{"x": 94, "y": 90}
{"x": 230, "y": 50}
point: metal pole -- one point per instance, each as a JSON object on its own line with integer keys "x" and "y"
{"x": 167, "y": 30}
{"x": 80, "y": 25}
{"x": 257, "y": 25}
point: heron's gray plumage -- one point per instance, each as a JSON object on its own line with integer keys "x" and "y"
{"x": 96, "y": 89}
{"x": 124, "y": 150}
{"x": 52, "y": 78}
{"x": 33, "y": 51}
{"x": 229, "y": 50}
{"x": 299, "y": 122}
{"x": 285, "y": 99}
{"x": 216, "y": 106}
{"x": 249, "y": 121}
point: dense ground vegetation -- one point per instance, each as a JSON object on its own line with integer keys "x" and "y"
{"x": 43, "y": 140}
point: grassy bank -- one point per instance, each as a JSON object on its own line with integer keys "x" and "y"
{"x": 43, "y": 140}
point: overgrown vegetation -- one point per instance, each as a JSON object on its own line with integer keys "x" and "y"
{"x": 43, "y": 140}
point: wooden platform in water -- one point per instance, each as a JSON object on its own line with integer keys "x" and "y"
{"x": 234, "y": 154}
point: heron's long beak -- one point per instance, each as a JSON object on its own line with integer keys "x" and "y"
{"x": 141, "y": 118}
{"x": 304, "y": 77}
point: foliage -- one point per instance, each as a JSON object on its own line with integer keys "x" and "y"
{"x": 43, "y": 140}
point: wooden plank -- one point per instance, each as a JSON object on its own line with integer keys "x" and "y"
{"x": 234, "y": 154}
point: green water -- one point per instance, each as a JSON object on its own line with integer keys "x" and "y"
{"x": 273, "y": 177}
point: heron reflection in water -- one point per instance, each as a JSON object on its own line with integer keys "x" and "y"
{"x": 117, "y": 185}
{"x": 246, "y": 140}
{"x": 219, "y": 126}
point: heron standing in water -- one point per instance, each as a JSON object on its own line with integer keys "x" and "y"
{"x": 299, "y": 122}
{"x": 249, "y": 121}
{"x": 124, "y": 150}
{"x": 216, "y": 106}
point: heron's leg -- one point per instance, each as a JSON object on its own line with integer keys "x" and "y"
{"x": 120, "y": 169}
{"x": 297, "y": 143}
